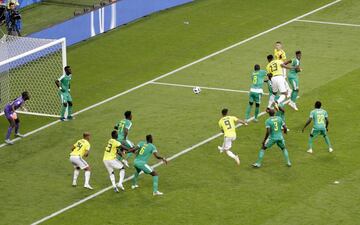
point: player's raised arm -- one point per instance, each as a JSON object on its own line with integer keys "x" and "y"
{"x": 285, "y": 65}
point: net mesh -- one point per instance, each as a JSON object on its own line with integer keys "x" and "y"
{"x": 33, "y": 65}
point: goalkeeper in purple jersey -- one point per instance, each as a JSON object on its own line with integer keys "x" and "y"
{"x": 11, "y": 116}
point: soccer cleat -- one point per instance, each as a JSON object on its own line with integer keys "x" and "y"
{"x": 9, "y": 142}
{"x": 237, "y": 160}
{"x": 88, "y": 187}
{"x": 70, "y": 118}
{"x": 256, "y": 165}
{"x": 220, "y": 149}
{"x": 116, "y": 190}
{"x": 288, "y": 164}
{"x": 74, "y": 184}
{"x": 256, "y": 120}
{"x": 293, "y": 105}
{"x": 276, "y": 106}
{"x": 120, "y": 186}
{"x": 331, "y": 150}
{"x": 157, "y": 193}
{"x": 134, "y": 186}
{"x": 19, "y": 135}
{"x": 310, "y": 151}
{"x": 62, "y": 119}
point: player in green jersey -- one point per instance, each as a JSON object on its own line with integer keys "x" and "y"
{"x": 294, "y": 79}
{"x": 123, "y": 127}
{"x": 256, "y": 91}
{"x": 63, "y": 83}
{"x": 274, "y": 127}
{"x": 320, "y": 126}
{"x": 143, "y": 152}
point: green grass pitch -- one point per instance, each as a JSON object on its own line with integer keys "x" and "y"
{"x": 201, "y": 186}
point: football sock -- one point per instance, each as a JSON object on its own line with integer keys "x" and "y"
{"x": 87, "y": 177}
{"x": 311, "y": 142}
{"x": 76, "y": 174}
{"x": 112, "y": 178}
{"x": 286, "y": 155}
{"x": 17, "y": 126}
{"x": 231, "y": 154}
{"x": 69, "y": 111}
{"x": 281, "y": 98}
{"x": 62, "y": 111}
{"x": 134, "y": 181}
{"x": 9, "y": 132}
{"x": 155, "y": 183}
{"x": 248, "y": 110}
{"x": 327, "y": 140}
{"x": 271, "y": 100}
{"x": 260, "y": 156}
{"x": 257, "y": 109}
{"x": 294, "y": 95}
{"x": 122, "y": 175}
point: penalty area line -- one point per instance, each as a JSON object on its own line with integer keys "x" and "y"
{"x": 329, "y": 23}
{"x": 205, "y": 141}
{"x": 202, "y": 87}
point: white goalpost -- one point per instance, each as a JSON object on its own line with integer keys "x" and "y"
{"x": 33, "y": 65}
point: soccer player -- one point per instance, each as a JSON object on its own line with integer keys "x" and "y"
{"x": 112, "y": 149}
{"x": 123, "y": 128}
{"x": 321, "y": 123}
{"x": 256, "y": 91}
{"x": 143, "y": 151}
{"x": 11, "y": 116}
{"x": 63, "y": 83}
{"x": 294, "y": 79}
{"x": 280, "y": 54}
{"x": 79, "y": 151}
{"x": 278, "y": 81}
{"x": 227, "y": 125}
{"x": 274, "y": 126}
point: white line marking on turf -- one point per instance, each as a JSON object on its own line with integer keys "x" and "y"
{"x": 181, "y": 68}
{"x": 202, "y": 87}
{"x": 330, "y": 23}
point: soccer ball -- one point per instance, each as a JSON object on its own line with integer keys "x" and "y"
{"x": 197, "y": 90}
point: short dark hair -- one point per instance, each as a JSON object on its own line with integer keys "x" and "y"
{"x": 298, "y": 52}
{"x": 114, "y": 134}
{"x": 127, "y": 114}
{"x": 86, "y": 134}
{"x": 318, "y": 104}
{"x": 257, "y": 67}
{"x": 278, "y": 42}
{"x": 149, "y": 138}
{"x": 224, "y": 112}
{"x": 66, "y": 67}
{"x": 271, "y": 112}
{"x": 270, "y": 57}
{"x": 25, "y": 95}
{"x": 11, "y": 3}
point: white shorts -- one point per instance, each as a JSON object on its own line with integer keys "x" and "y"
{"x": 77, "y": 161}
{"x": 113, "y": 164}
{"x": 228, "y": 142}
{"x": 278, "y": 84}
{"x": 284, "y": 70}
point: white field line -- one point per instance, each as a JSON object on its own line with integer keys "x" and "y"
{"x": 330, "y": 23}
{"x": 158, "y": 78}
{"x": 182, "y": 68}
{"x": 202, "y": 87}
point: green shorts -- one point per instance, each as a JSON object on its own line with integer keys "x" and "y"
{"x": 65, "y": 97}
{"x": 128, "y": 144}
{"x": 270, "y": 142}
{"x": 255, "y": 97}
{"x": 142, "y": 166}
{"x": 315, "y": 132}
{"x": 294, "y": 83}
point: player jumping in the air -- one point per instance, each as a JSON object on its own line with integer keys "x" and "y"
{"x": 256, "y": 91}
{"x": 294, "y": 79}
{"x": 63, "y": 83}
{"x": 112, "y": 149}
{"x": 280, "y": 54}
{"x": 274, "y": 126}
{"x": 11, "y": 116}
{"x": 79, "y": 151}
{"x": 321, "y": 123}
{"x": 143, "y": 152}
{"x": 123, "y": 128}
{"x": 227, "y": 125}
{"x": 278, "y": 81}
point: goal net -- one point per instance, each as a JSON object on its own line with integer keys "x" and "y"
{"x": 33, "y": 65}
